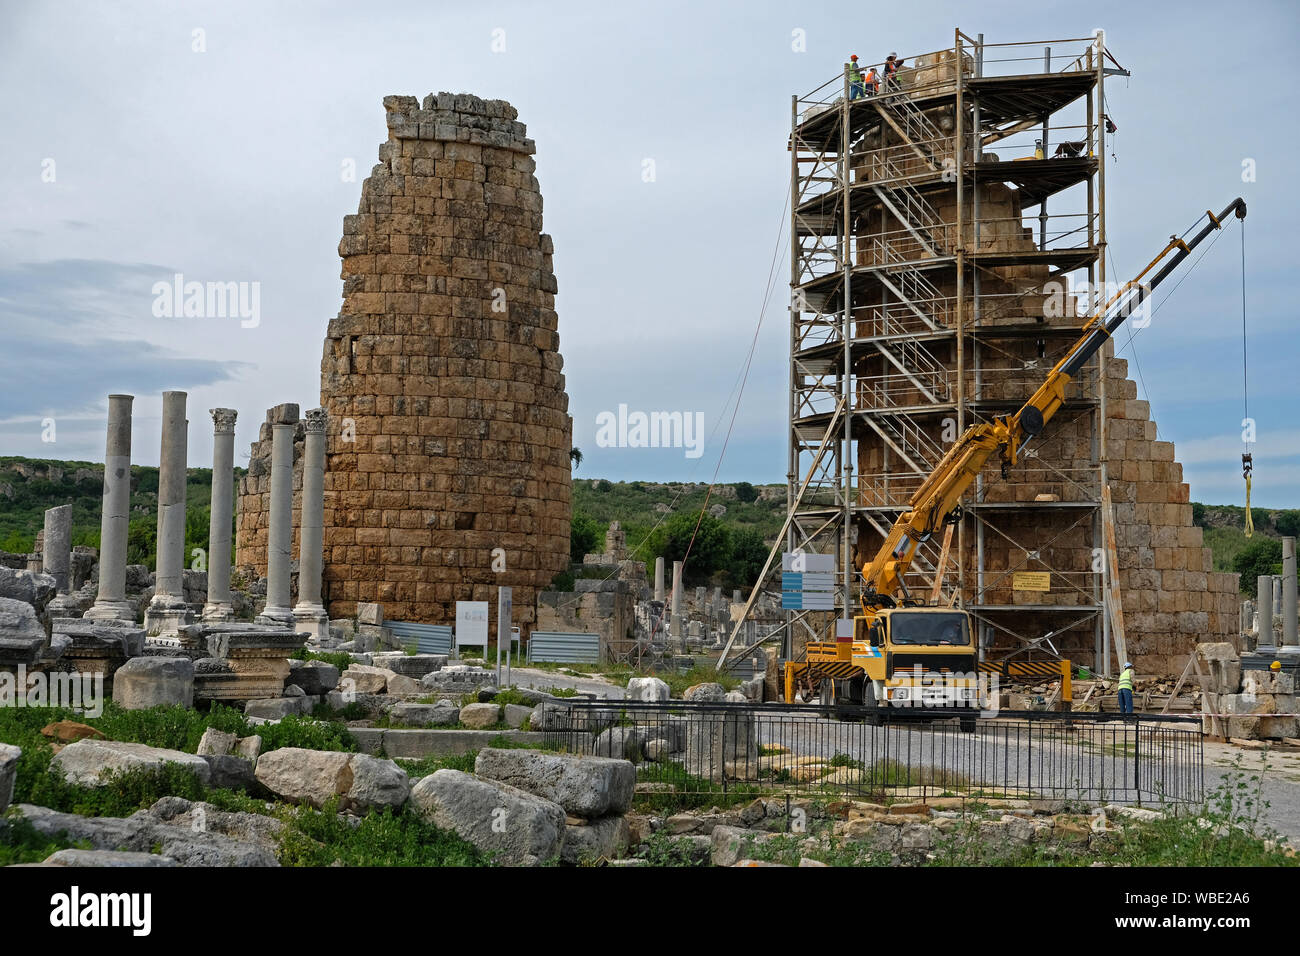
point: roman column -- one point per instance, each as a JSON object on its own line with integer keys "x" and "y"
{"x": 56, "y": 552}
{"x": 279, "y": 538}
{"x": 168, "y": 610}
{"x": 115, "y": 515}
{"x": 659, "y": 578}
{"x": 677, "y": 629}
{"x": 218, "y": 607}
{"x": 1289, "y": 623}
{"x": 310, "y": 613}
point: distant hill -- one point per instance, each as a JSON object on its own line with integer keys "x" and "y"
{"x": 28, "y": 486}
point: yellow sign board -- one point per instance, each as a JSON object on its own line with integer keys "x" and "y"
{"x": 1031, "y": 581}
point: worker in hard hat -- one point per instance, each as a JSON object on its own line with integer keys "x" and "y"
{"x": 892, "y": 63}
{"x": 870, "y": 82}
{"x": 855, "y": 79}
{"x": 1126, "y": 688}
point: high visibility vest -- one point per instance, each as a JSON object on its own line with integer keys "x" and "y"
{"x": 855, "y": 75}
{"x": 1126, "y": 679}
{"x": 870, "y": 77}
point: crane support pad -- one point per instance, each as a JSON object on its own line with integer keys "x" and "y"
{"x": 834, "y": 670}
{"x": 1024, "y": 668}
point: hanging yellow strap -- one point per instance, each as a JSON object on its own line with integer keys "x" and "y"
{"x": 1250, "y": 524}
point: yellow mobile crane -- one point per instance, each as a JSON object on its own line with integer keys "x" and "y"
{"x": 896, "y": 639}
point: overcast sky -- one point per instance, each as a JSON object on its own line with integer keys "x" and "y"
{"x": 129, "y": 156}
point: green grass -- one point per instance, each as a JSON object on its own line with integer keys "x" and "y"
{"x": 340, "y": 660}
{"x": 20, "y": 842}
{"x": 382, "y": 838}
{"x": 171, "y": 728}
{"x": 690, "y": 792}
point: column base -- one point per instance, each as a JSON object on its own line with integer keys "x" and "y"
{"x": 276, "y": 617}
{"x": 314, "y": 619}
{"x": 111, "y": 611}
{"x": 165, "y": 616}
{"x": 217, "y": 613}
{"x": 63, "y": 607}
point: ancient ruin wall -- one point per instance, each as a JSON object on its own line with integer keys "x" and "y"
{"x": 449, "y": 432}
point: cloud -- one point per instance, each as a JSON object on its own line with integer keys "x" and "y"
{"x": 65, "y": 321}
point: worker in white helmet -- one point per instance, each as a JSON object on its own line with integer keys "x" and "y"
{"x": 1126, "y": 688}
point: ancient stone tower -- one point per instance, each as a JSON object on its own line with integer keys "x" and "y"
{"x": 447, "y": 468}
{"x": 939, "y": 224}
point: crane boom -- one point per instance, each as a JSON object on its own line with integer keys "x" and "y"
{"x": 939, "y": 496}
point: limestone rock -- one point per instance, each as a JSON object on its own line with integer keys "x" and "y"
{"x": 314, "y": 677}
{"x": 22, "y": 636}
{"x": 139, "y": 833}
{"x": 216, "y": 742}
{"x": 106, "y": 858}
{"x": 709, "y": 692}
{"x": 480, "y": 716}
{"x": 516, "y": 714}
{"x": 232, "y": 772}
{"x": 514, "y": 825}
{"x": 587, "y": 787}
{"x": 9, "y": 755}
{"x": 621, "y": 743}
{"x": 144, "y": 682}
{"x": 30, "y": 587}
{"x": 647, "y": 688}
{"x": 359, "y": 781}
{"x": 85, "y": 762}
{"x": 606, "y": 838}
{"x": 274, "y": 708}
{"x": 366, "y": 680}
{"x": 401, "y": 686}
{"x": 442, "y": 714}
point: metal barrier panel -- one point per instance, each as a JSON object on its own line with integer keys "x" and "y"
{"x": 425, "y": 638}
{"x": 914, "y": 754}
{"x": 564, "y": 648}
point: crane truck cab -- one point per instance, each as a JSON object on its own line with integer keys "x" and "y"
{"x": 901, "y": 657}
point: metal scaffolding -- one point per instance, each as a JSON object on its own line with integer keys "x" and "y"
{"x": 939, "y": 226}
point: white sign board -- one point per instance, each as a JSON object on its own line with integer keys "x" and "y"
{"x": 804, "y": 561}
{"x": 472, "y": 624}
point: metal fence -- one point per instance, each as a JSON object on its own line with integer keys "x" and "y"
{"x": 422, "y": 638}
{"x": 722, "y": 748}
{"x": 564, "y": 647}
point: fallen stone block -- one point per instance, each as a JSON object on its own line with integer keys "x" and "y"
{"x": 480, "y": 716}
{"x": 274, "y": 708}
{"x": 409, "y": 665}
{"x": 314, "y": 677}
{"x": 359, "y": 781}
{"x": 144, "y": 682}
{"x": 515, "y": 826}
{"x": 216, "y": 743}
{"x": 363, "y": 679}
{"x": 229, "y": 772}
{"x": 621, "y": 743}
{"x": 647, "y": 688}
{"x": 9, "y": 755}
{"x": 86, "y": 762}
{"x": 587, "y": 787}
{"x": 516, "y": 714}
{"x": 106, "y": 858}
{"x": 139, "y": 833}
{"x": 602, "y": 839}
{"x": 442, "y": 714}
{"x": 729, "y": 844}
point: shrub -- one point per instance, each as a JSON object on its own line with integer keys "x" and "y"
{"x": 1261, "y": 556}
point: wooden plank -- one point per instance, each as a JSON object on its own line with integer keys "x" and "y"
{"x": 943, "y": 565}
{"x": 1112, "y": 558}
{"x": 1179, "y": 685}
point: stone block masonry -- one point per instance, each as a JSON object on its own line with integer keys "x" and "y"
{"x": 448, "y": 420}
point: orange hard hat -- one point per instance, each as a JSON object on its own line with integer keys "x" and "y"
{"x": 853, "y": 57}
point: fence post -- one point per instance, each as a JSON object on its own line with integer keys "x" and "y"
{"x": 1137, "y": 753}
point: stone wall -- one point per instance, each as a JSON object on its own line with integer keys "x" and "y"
{"x": 449, "y": 434}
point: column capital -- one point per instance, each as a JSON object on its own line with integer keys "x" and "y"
{"x": 315, "y": 421}
{"x": 223, "y": 420}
